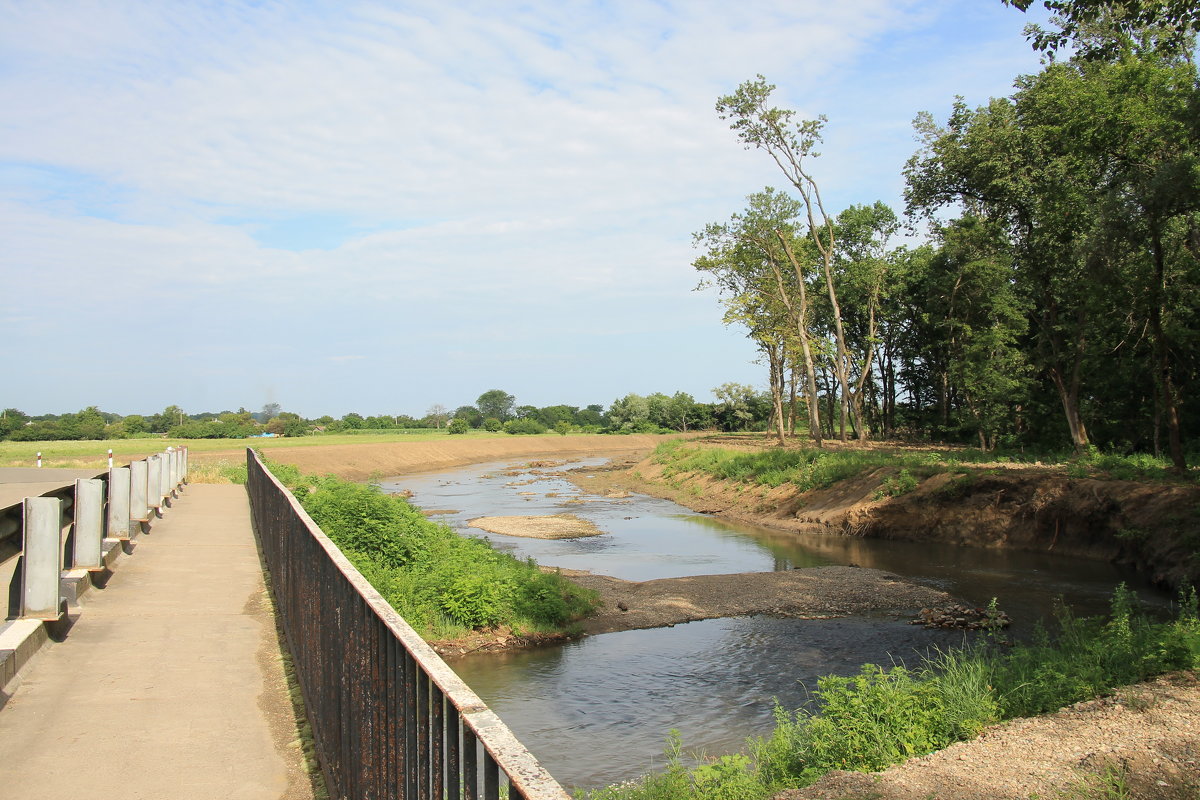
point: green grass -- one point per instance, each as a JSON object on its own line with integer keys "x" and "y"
{"x": 883, "y": 716}
{"x": 443, "y": 584}
{"x": 815, "y": 468}
{"x": 806, "y": 469}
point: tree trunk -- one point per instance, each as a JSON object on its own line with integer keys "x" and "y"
{"x": 1162, "y": 357}
{"x": 810, "y": 373}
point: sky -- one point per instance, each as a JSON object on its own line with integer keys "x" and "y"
{"x": 376, "y": 207}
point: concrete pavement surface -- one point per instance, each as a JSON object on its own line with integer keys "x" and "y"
{"x": 17, "y": 483}
{"x": 169, "y": 685}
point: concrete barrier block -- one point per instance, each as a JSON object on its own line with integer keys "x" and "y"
{"x": 73, "y": 584}
{"x": 42, "y": 558}
{"x": 24, "y": 637}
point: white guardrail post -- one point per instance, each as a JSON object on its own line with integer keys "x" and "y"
{"x": 166, "y": 489}
{"x": 139, "y": 506}
{"x": 154, "y": 484}
{"x": 118, "y": 503}
{"x": 41, "y": 561}
{"x": 89, "y": 524}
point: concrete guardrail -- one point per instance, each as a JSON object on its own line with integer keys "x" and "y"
{"x": 57, "y": 546}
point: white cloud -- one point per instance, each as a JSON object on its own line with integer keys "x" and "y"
{"x": 472, "y": 157}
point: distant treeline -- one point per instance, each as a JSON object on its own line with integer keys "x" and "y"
{"x": 737, "y": 408}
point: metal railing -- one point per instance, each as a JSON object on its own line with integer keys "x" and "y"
{"x": 391, "y": 721}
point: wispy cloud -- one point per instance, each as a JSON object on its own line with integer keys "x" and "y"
{"x": 303, "y": 172}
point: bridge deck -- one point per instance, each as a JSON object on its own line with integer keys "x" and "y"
{"x": 170, "y": 684}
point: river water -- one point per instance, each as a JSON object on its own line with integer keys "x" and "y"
{"x": 598, "y": 710}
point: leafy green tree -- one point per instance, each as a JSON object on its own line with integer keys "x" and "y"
{"x": 1170, "y": 26}
{"x": 496, "y": 403}
{"x": 752, "y": 260}
{"x": 791, "y": 144}
{"x": 458, "y": 425}
{"x": 629, "y": 412}
{"x": 1091, "y": 168}
{"x": 470, "y": 415}
{"x": 492, "y": 424}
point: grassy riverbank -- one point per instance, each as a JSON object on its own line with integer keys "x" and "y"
{"x": 448, "y": 587}
{"x": 884, "y": 716}
{"x": 809, "y": 468}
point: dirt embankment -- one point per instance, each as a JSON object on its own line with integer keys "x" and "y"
{"x": 1153, "y": 527}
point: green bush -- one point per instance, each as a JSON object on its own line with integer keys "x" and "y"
{"x": 443, "y": 584}
{"x": 457, "y": 426}
{"x": 492, "y": 424}
{"x": 524, "y": 426}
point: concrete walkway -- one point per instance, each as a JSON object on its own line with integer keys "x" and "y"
{"x": 17, "y": 483}
{"x": 169, "y": 684}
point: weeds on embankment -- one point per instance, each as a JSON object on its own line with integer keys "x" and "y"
{"x": 443, "y": 584}
{"x": 817, "y": 468}
{"x": 881, "y": 717}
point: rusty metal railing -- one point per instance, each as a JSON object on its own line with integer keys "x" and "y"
{"x": 390, "y": 719}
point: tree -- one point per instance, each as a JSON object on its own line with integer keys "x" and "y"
{"x": 1091, "y": 170}
{"x": 457, "y": 426}
{"x": 1169, "y": 26}
{"x": 790, "y": 144}
{"x": 437, "y": 414}
{"x": 630, "y": 413}
{"x": 752, "y": 260}
{"x": 735, "y": 405}
{"x": 496, "y": 403}
{"x": 469, "y": 415}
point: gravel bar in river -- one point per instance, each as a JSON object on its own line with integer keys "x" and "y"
{"x": 810, "y": 593}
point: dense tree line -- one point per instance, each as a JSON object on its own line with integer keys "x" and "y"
{"x": 1054, "y": 301}
{"x": 737, "y": 408}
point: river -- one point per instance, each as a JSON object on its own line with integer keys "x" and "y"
{"x": 598, "y": 710}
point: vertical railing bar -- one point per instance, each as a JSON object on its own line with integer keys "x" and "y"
{"x": 423, "y": 733}
{"x": 470, "y": 753}
{"x": 437, "y": 755}
{"x": 411, "y": 675}
{"x": 491, "y": 777}
{"x": 453, "y": 755}
{"x": 391, "y": 673}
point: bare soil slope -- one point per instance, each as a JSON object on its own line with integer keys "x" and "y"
{"x": 1153, "y": 527}
{"x": 359, "y": 462}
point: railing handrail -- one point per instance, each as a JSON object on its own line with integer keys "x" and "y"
{"x": 527, "y": 778}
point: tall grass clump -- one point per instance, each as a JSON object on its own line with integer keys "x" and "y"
{"x": 443, "y": 584}
{"x": 882, "y": 716}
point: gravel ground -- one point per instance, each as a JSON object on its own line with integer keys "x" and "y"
{"x": 1144, "y": 742}
{"x": 811, "y": 593}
